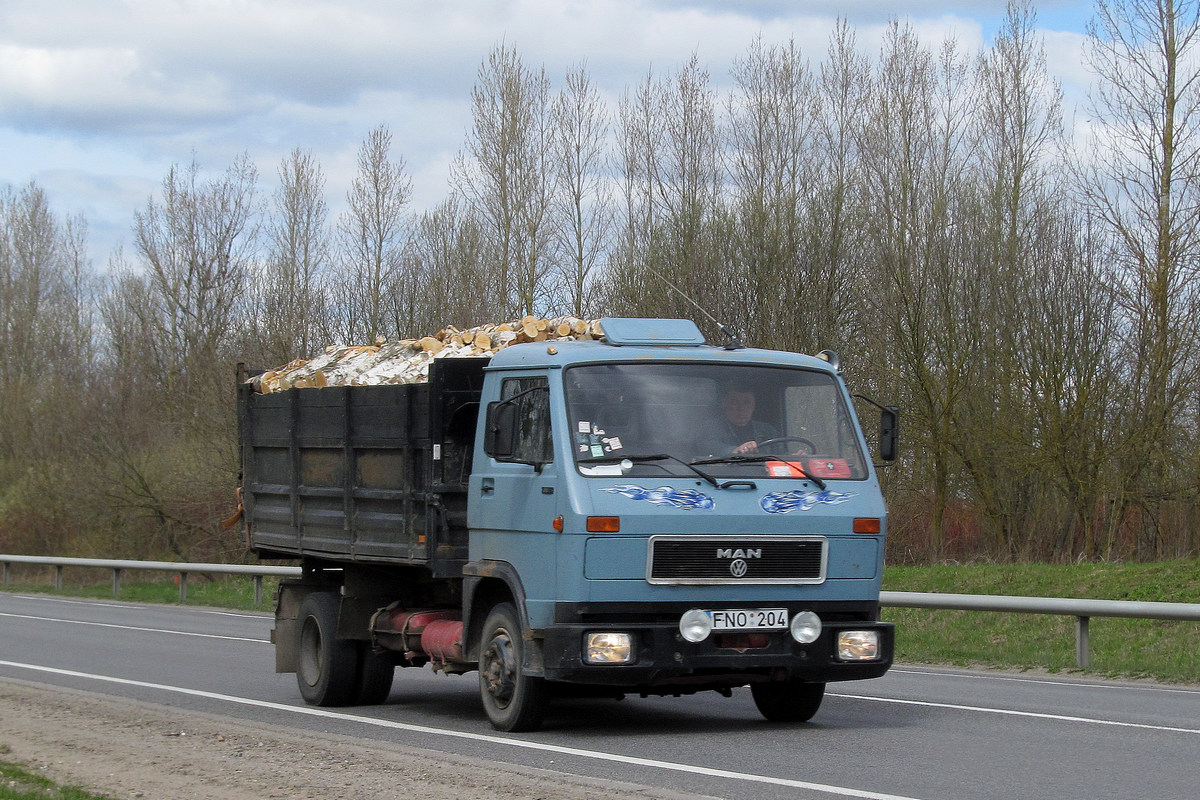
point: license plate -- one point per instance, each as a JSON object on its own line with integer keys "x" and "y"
{"x": 749, "y": 619}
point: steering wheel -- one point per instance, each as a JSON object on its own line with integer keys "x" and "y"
{"x": 812, "y": 448}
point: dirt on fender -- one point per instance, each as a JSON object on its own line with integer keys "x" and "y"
{"x": 126, "y": 748}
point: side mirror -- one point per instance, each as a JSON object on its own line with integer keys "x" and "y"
{"x": 889, "y": 432}
{"x": 500, "y": 437}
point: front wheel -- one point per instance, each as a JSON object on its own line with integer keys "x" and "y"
{"x": 513, "y": 700}
{"x": 788, "y": 701}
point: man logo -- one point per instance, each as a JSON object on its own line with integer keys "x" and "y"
{"x": 737, "y": 568}
{"x": 749, "y": 552}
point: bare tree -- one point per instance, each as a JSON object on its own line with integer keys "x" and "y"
{"x": 46, "y": 370}
{"x": 504, "y": 172}
{"x": 1141, "y": 180}
{"x": 672, "y": 175}
{"x": 196, "y": 245}
{"x": 772, "y": 158}
{"x": 373, "y": 298}
{"x": 292, "y": 286}
{"x": 447, "y": 256}
{"x": 583, "y": 213}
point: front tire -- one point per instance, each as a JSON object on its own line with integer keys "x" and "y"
{"x": 513, "y": 700}
{"x": 326, "y": 667}
{"x": 788, "y": 701}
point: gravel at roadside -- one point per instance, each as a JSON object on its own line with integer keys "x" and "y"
{"x": 131, "y": 749}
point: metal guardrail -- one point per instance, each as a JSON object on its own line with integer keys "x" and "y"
{"x": 179, "y": 568}
{"x": 1081, "y": 610}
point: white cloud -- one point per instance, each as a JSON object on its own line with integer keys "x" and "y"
{"x": 102, "y": 96}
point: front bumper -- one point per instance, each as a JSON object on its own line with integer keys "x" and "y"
{"x": 664, "y": 658}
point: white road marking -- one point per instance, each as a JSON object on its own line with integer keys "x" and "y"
{"x": 1045, "y": 681}
{"x": 135, "y": 628}
{"x": 595, "y": 755}
{"x": 1013, "y": 713}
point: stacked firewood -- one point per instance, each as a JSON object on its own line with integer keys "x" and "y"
{"x": 407, "y": 361}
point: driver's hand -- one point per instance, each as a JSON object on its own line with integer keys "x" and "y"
{"x": 746, "y": 447}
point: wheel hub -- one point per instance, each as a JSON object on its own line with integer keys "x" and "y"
{"x": 499, "y": 668}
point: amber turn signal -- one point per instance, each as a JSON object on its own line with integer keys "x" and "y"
{"x": 604, "y": 524}
{"x": 867, "y": 525}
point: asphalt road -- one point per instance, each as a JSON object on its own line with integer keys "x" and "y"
{"x": 923, "y": 733}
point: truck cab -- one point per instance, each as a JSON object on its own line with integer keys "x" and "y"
{"x": 664, "y": 516}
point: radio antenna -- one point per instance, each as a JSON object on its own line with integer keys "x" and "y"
{"x": 733, "y": 343}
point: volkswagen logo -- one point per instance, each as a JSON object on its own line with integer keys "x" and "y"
{"x": 737, "y": 568}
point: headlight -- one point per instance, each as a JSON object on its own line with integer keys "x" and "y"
{"x": 806, "y": 627}
{"x": 608, "y": 648}
{"x": 695, "y": 625}
{"x": 858, "y": 645}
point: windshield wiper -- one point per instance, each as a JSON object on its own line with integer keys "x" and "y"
{"x": 760, "y": 459}
{"x": 615, "y": 459}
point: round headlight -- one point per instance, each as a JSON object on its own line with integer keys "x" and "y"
{"x": 806, "y": 627}
{"x": 695, "y": 625}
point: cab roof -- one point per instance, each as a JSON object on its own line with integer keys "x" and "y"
{"x": 627, "y": 339}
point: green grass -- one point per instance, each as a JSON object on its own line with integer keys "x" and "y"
{"x": 18, "y": 783}
{"x": 1120, "y": 648}
{"x": 224, "y": 592}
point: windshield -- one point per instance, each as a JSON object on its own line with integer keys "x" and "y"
{"x": 731, "y": 421}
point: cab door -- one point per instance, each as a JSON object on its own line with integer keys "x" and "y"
{"x": 514, "y": 487}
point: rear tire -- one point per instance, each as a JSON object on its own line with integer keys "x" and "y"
{"x": 788, "y": 701}
{"x": 375, "y": 674}
{"x": 326, "y": 667}
{"x": 513, "y": 700}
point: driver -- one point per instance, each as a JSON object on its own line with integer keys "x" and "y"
{"x": 739, "y": 431}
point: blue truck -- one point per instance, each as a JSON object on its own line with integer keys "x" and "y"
{"x": 644, "y": 514}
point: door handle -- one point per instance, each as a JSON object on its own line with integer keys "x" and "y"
{"x": 487, "y": 486}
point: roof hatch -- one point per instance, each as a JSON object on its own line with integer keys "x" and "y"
{"x": 628, "y": 331}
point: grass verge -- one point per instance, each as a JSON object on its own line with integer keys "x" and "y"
{"x": 1120, "y": 648}
{"x": 18, "y": 783}
{"x": 224, "y": 592}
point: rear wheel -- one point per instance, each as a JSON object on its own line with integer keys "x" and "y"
{"x": 375, "y": 674}
{"x": 513, "y": 700}
{"x": 326, "y": 667}
{"x": 788, "y": 701}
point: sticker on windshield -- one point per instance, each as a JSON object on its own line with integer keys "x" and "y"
{"x": 688, "y": 499}
{"x": 786, "y": 502}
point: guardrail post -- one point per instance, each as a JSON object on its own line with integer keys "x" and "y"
{"x": 1082, "y": 648}
{"x": 258, "y": 579}
{"x": 58, "y": 578}
{"x": 183, "y": 587}
{"x": 116, "y": 582}
{"x": 6, "y": 575}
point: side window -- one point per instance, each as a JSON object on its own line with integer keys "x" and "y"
{"x": 530, "y": 419}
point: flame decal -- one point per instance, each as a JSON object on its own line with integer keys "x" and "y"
{"x": 786, "y": 502}
{"x": 688, "y": 499}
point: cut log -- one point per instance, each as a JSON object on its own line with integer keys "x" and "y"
{"x": 408, "y": 360}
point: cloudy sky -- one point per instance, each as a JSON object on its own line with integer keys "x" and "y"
{"x": 98, "y": 98}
